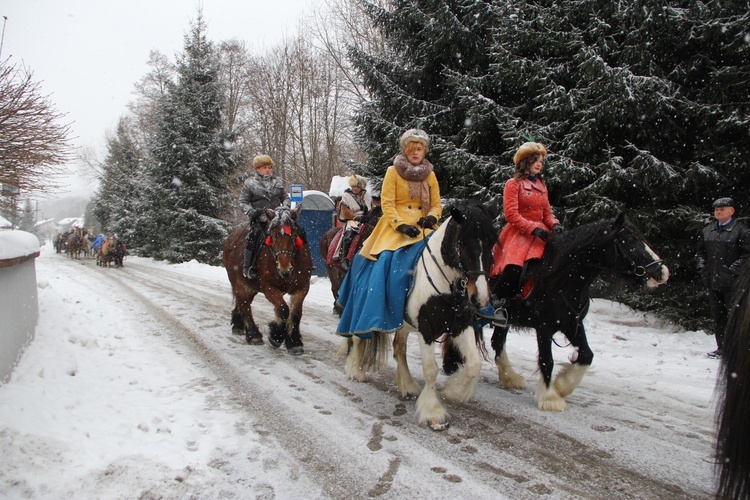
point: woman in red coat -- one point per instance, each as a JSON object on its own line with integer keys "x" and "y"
{"x": 530, "y": 222}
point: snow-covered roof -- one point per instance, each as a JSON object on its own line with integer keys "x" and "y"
{"x": 339, "y": 184}
{"x": 73, "y": 221}
{"x": 317, "y": 200}
{"x": 43, "y": 222}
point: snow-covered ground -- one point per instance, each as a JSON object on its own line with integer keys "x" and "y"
{"x": 134, "y": 387}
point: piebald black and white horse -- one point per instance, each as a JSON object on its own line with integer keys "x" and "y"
{"x": 450, "y": 283}
{"x": 559, "y": 302}
{"x": 733, "y": 413}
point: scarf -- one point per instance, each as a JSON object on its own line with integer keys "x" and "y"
{"x": 416, "y": 176}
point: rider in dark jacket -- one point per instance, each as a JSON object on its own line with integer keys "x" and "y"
{"x": 261, "y": 191}
{"x": 723, "y": 248}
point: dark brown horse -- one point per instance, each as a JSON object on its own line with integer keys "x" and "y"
{"x": 733, "y": 426}
{"x": 284, "y": 267}
{"x": 336, "y": 273}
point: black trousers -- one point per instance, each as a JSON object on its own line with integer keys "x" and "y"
{"x": 720, "y": 301}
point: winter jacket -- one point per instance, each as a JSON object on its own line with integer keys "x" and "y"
{"x": 526, "y": 206}
{"x": 721, "y": 253}
{"x": 263, "y": 191}
{"x": 352, "y": 205}
{"x": 399, "y": 208}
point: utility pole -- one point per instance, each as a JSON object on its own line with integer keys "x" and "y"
{"x": 2, "y": 39}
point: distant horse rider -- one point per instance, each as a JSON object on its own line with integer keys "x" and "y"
{"x": 261, "y": 191}
{"x": 355, "y": 204}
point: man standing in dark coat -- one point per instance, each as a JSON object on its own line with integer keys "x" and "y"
{"x": 723, "y": 247}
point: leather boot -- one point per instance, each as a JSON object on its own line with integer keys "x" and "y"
{"x": 248, "y": 269}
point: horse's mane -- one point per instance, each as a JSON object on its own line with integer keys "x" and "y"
{"x": 283, "y": 218}
{"x": 562, "y": 249}
{"x": 478, "y": 220}
{"x": 733, "y": 429}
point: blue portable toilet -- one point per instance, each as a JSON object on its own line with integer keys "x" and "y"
{"x": 317, "y": 217}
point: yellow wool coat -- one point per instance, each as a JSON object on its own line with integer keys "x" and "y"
{"x": 399, "y": 208}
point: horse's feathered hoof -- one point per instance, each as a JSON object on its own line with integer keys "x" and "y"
{"x": 255, "y": 340}
{"x": 296, "y": 350}
{"x": 438, "y": 426}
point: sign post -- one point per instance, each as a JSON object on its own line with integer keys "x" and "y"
{"x": 295, "y": 193}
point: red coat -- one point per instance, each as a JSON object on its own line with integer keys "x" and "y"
{"x": 526, "y": 206}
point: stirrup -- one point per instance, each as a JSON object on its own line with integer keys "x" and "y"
{"x": 500, "y": 318}
{"x": 250, "y": 273}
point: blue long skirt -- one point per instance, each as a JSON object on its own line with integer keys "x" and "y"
{"x": 373, "y": 294}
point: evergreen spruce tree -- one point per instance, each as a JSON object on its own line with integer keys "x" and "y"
{"x": 643, "y": 105}
{"x": 189, "y": 161}
{"x": 430, "y": 42}
{"x": 119, "y": 200}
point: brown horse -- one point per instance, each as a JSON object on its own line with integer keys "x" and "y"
{"x": 110, "y": 253}
{"x": 75, "y": 244}
{"x": 336, "y": 273}
{"x": 284, "y": 267}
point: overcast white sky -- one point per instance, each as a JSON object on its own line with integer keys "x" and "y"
{"x": 87, "y": 54}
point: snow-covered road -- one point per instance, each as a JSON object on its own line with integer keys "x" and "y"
{"x": 136, "y": 387}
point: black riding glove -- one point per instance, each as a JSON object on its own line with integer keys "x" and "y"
{"x": 427, "y": 222}
{"x": 540, "y": 233}
{"x": 251, "y": 213}
{"x": 410, "y": 231}
{"x": 359, "y": 218}
{"x": 557, "y": 228}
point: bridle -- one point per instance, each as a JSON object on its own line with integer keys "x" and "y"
{"x": 634, "y": 269}
{"x": 458, "y": 290}
{"x": 286, "y": 230}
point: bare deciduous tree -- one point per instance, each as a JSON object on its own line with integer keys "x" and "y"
{"x": 34, "y": 142}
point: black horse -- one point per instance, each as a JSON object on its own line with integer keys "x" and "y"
{"x": 733, "y": 426}
{"x": 559, "y": 301}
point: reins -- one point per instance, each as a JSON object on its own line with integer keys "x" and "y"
{"x": 459, "y": 299}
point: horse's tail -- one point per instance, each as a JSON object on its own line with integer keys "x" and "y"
{"x": 370, "y": 353}
{"x": 733, "y": 425}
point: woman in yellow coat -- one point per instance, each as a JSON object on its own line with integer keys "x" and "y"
{"x": 374, "y": 291}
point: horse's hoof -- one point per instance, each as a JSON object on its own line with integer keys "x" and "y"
{"x": 296, "y": 350}
{"x": 238, "y": 331}
{"x": 274, "y": 343}
{"x": 438, "y": 426}
{"x": 255, "y": 340}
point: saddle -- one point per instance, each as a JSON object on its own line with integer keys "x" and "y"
{"x": 330, "y": 260}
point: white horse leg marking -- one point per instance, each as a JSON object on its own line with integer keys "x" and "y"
{"x": 462, "y": 384}
{"x": 507, "y": 375}
{"x": 548, "y": 399}
{"x": 430, "y": 411}
{"x": 569, "y": 378}
{"x": 407, "y": 388}
{"x": 354, "y": 367}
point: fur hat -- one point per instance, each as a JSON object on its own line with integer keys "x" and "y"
{"x": 357, "y": 180}
{"x": 261, "y": 161}
{"x": 527, "y": 149}
{"x": 723, "y": 202}
{"x": 414, "y": 135}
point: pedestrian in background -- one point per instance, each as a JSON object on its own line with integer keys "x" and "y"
{"x": 723, "y": 248}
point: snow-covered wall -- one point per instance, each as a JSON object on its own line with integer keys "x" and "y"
{"x": 18, "y": 296}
